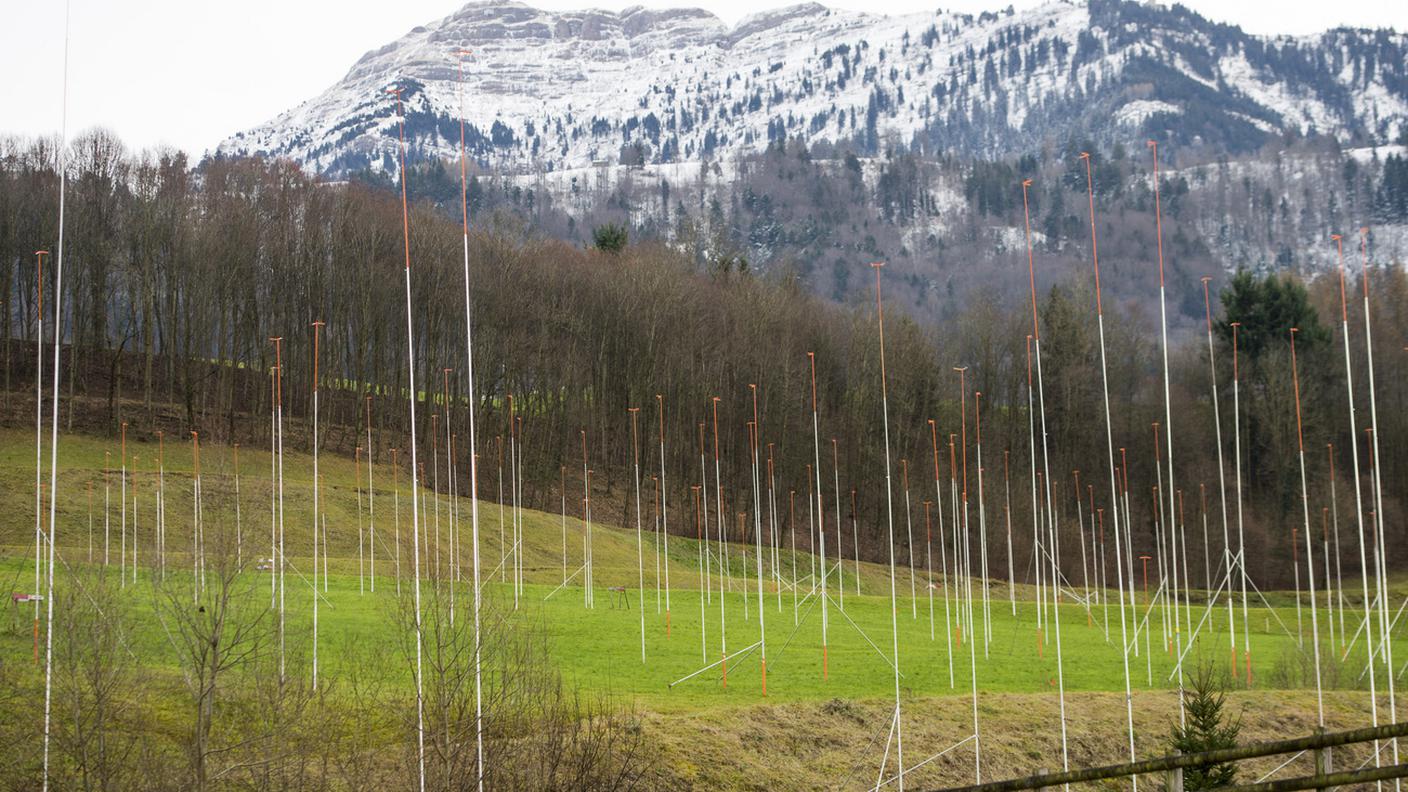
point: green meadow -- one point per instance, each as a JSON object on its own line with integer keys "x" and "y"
{"x": 598, "y": 649}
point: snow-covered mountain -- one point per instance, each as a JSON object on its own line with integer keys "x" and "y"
{"x": 546, "y": 91}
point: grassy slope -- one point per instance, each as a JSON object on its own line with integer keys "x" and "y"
{"x": 600, "y": 650}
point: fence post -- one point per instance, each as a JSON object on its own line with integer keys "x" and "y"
{"x": 1324, "y": 762}
{"x": 1174, "y": 776}
{"x": 1042, "y": 771}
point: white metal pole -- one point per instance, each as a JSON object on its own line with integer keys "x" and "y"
{"x": 198, "y": 505}
{"x": 415, "y": 473}
{"x": 792, "y": 536}
{"x": 503, "y": 546}
{"x": 700, "y": 543}
{"x": 1007, "y": 515}
{"x": 433, "y": 521}
{"x": 563, "y": 486}
{"x": 1036, "y": 509}
{"x": 723, "y": 552}
{"x": 655, "y": 506}
{"x": 1110, "y": 452}
{"x": 396, "y": 515}
{"x": 39, "y": 459}
{"x": 135, "y": 460}
{"x": 1221, "y": 475}
{"x": 1335, "y": 523}
{"x": 1241, "y": 539}
{"x": 836, "y": 485}
{"x": 452, "y": 506}
{"x": 909, "y": 540}
{"x": 704, "y": 550}
{"x": 1168, "y": 404}
{"x": 54, "y": 421}
{"x": 982, "y": 522}
{"x": 890, "y": 524}
{"x": 640, "y": 541}
{"x": 943, "y": 559}
{"x": 107, "y": 506}
{"x": 855, "y": 537}
{"x": 371, "y": 503}
{"x": 587, "y": 522}
{"x": 473, "y": 452}
{"x": 1080, "y": 532}
{"x": 774, "y": 532}
{"x": 758, "y": 506}
{"x": 1378, "y": 489}
{"x": 361, "y": 553}
{"x": 317, "y": 330}
{"x": 122, "y": 555}
{"x": 1046, "y": 469}
{"x": 1358, "y": 498}
{"x": 821, "y": 518}
{"x": 664, "y": 509}
{"x": 279, "y": 469}
{"x": 239, "y": 534}
{"x": 516, "y": 489}
{"x": 929, "y": 563}
{"x": 1309, "y": 545}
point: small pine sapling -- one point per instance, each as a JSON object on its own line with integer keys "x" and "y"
{"x": 1207, "y": 728}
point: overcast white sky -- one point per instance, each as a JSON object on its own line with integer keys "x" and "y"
{"x": 190, "y": 72}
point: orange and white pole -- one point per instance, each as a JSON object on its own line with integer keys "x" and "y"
{"x": 1046, "y": 471}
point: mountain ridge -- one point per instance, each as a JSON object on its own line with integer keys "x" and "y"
{"x": 549, "y": 90}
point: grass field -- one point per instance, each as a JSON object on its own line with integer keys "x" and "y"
{"x": 599, "y": 650}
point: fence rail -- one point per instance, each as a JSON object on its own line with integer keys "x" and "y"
{"x": 1174, "y": 764}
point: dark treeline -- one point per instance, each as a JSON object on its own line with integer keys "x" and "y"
{"x": 175, "y": 279}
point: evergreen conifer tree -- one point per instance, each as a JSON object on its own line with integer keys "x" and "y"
{"x": 1207, "y": 727}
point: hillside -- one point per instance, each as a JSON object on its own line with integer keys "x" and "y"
{"x": 809, "y": 731}
{"x": 803, "y": 140}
